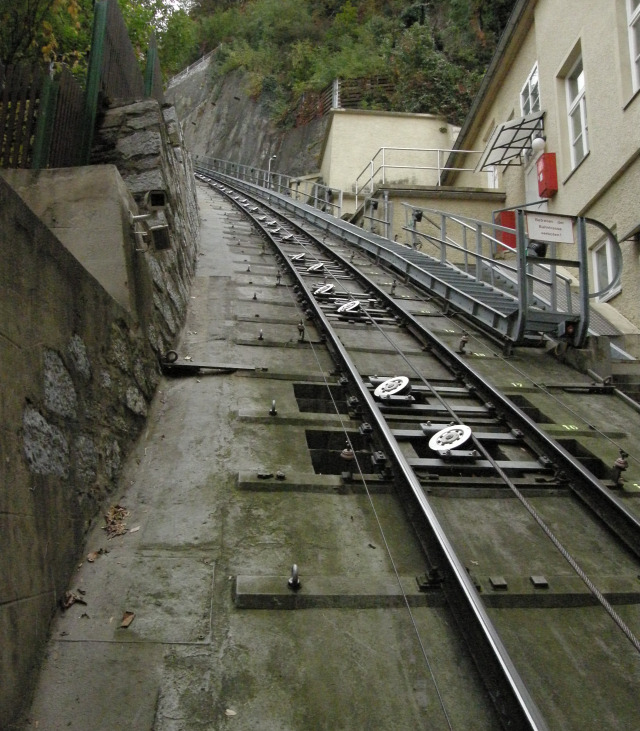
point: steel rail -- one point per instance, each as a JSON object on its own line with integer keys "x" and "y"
{"x": 509, "y": 694}
{"x": 615, "y": 516}
{"x": 588, "y": 488}
{"x": 384, "y": 250}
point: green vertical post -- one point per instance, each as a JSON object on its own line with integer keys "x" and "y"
{"x": 149, "y": 71}
{"x": 44, "y": 125}
{"x": 93, "y": 76}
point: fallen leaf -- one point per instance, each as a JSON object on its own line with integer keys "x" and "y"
{"x": 114, "y": 519}
{"x": 91, "y": 557}
{"x": 69, "y": 598}
{"x": 230, "y": 712}
{"x": 135, "y": 530}
{"x": 127, "y": 618}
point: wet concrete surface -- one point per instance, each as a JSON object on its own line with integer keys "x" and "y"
{"x": 199, "y": 527}
{"x": 203, "y": 526}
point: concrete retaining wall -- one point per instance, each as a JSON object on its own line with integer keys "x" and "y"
{"x": 81, "y": 326}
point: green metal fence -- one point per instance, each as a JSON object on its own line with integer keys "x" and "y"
{"x": 47, "y": 119}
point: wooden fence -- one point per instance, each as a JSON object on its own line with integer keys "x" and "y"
{"x": 47, "y": 119}
{"x": 19, "y": 105}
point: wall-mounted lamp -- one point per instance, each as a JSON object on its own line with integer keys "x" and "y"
{"x": 417, "y": 215}
{"x": 538, "y": 143}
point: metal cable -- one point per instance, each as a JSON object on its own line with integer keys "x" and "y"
{"x": 423, "y": 649}
{"x": 530, "y": 509}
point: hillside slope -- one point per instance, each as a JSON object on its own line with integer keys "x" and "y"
{"x": 221, "y": 120}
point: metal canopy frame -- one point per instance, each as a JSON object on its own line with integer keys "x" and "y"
{"x": 509, "y": 140}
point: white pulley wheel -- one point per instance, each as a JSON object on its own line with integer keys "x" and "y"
{"x": 324, "y": 289}
{"x": 450, "y": 437}
{"x": 298, "y": 257}
{"x": 397, "y": 386}
{"x": 349, "y": 307}
{"x": 316, "y": 268}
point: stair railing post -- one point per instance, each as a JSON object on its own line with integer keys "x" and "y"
{"x": 523, "y": 280}
{"x": 443, "y": 238}
{"x": 554, "y": 279}
{"x": 583, "y": 270}
{"x": 478, "y": 251}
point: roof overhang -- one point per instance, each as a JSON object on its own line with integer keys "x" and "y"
{"x": 510, "y": 139}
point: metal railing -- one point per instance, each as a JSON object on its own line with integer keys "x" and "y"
{"x": 307, "y": 191}
{"x": 406, "y": 166}
{"x": 477, "y": 252}
{"x": 475, "y": 247}
{"x": 189, "y": 69}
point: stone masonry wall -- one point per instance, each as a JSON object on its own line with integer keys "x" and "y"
{"x": 144, "y": 141}
{"x": 78, "y": 375}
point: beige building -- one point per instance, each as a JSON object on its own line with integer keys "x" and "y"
{"x": 363, "y": 150}
{"x": 566, "y": 72}
{"x": 571, "y": 68}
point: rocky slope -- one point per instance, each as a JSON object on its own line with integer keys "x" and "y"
{"x": 221, "y": 120}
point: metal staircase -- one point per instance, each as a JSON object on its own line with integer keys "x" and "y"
{"x": 519, "y": 301}
{"x": 539, "y": 298}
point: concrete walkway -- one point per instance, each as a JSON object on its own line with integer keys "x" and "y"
{"x": 189, "y": 659}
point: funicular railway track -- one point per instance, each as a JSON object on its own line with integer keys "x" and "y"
{"x": 431, "y": 424}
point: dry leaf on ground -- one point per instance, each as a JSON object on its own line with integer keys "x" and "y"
{"x": 114, "y": 519}
{"x": 127, "y": 618}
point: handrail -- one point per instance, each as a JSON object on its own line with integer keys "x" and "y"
{"x": 459, "y": 220}
{"x": 439, "y": 167}
{"x": 190, "y": 67}
{"x": 547, "y": 277}
{"x": 321, "y": 196}
{"x": 617, "y": 256}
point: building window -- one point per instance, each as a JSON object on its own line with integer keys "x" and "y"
{"x": 530, "y": 94}
{"x": 577, "y": 113}
{"x": 633, "y": 13}
{"x": 602, "y": 263}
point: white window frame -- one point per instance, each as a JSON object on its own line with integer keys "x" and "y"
{"x": 597, "y": 284}
{"x": 577, "y": 105}
{"x": 528, "y": 95}
{"x": 492, "y": 177}
{"x": 633, "y": 19}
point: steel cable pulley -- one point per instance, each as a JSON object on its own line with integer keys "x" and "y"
{"x": 348, "y": 308}
{"x": 450, "y": 437}
{"x": 397, "y": 386}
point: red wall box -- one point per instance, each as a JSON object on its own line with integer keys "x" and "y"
{"x": 508, "y": 220}
{"x": 547, "y": 175}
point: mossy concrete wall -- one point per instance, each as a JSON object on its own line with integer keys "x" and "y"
{"x": 79, "y": 362}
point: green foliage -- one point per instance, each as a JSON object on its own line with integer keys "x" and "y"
{"x": 435, "y": 52}
{"x": 179, "y": 42}
{"x": 426, "y": 80}
{"x": 47, "y": 30}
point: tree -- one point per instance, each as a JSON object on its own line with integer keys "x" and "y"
{"x": 179, "y": 43}
{"x": 33, "y": 29}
